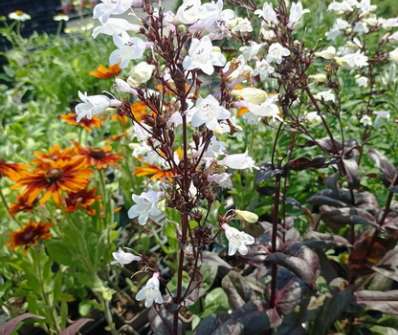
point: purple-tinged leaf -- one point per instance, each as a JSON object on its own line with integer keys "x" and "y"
{"x": 75, "y": 327}
{"x": 352, "y": 172}
{"x": 322, "y": 240}
{"x": 240, "y": 289}
{"x": 319, "y": 200}
{"x": 346, "y": 215}
{"x": 387, "y": 169}
{"x": 304, "y": 163}
{"x": 300, "y": 260}
{"x": 385, "y": 302}
{"x": 290, "y": 291}
{"x": 10, "y": 326}
{"x": 266, "y": 172}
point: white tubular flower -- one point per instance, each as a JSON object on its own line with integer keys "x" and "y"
{"x": 140, "y": 74}
{"x": 250, "y": 51}
{"x": 115, "y": 26}
{"x": 150, "y": 292}
{"x": 142, "y": 131}
{"x": 239, "y": 25}
{"x": 237, "y": 240}
{"x": 389, "y": 23}
{"x": 208, "y": 111}
{"x": 124, "y": 258}
{"x": 362, "y": 81}
{"x": 365, "y": 7}
{"x": 251, "y": 94}
{"x": 214, "y": 150}
{"x": 128, "y": 48}
{"x": 276, "y": 53}
{"x": 366, "y": 121}
{"x": 381, "y": 117}
{"x": 328, "y": 53}
{"x": 393, "y": 55}
{"x": 236, "y": 70}
{"x": 104, "y": 10}
{"x": 19, "y": 16}
{"x": 246, "y": 216}
{"x": 203, "y": 56}
{"x": 296, "y": 13}
{"x": 221, "y": 179}
{"x": 188, "y": 13}
{"x": 146, "y": 207}
{"x": 312, "y": 117}
{"x": 339, "y": 26}
{"x": 361, "y": 28}
{"x": 353, "y": 60}
{"x": 124, "y": 87}
{"x": 393, "y": 37}
{"x": 268, "y": 108}
{"x": 213, "y": 20}
{"x": 268, "y": 14}
{"x": 340, "y": 7}
{"x": 319, "y": 77}
{"x": 93, "y": 105}
{"x": 327, "y": 96}
{"x": 264, "y": 69}
{"x": 238, "y": 161}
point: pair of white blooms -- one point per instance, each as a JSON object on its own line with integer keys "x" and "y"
{"x": 127, "y": 48}
{"x": 346, "y": 6}
{"x": 259, "y": 103}
{"x": 350, "y": 60}
{"x": 150, "y": 292}
{"x": 211, "y": 19}
{"x": 269, "y": 15}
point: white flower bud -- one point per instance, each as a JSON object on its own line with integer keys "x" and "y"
{"x": 246, "y": 216}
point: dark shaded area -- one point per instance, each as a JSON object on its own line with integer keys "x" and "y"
{"x": 41, "y": 11}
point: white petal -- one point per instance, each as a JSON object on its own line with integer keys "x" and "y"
{"x": 141, "y": 294}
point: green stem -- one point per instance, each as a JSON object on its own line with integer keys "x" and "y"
{"x": 108, "y": 315}
{"x": 7, "y": 208}
{"x": 51, "y": 309}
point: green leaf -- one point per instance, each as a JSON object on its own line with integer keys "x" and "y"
{"x": 59, "y": 252}
{"x": 215, "y": 301}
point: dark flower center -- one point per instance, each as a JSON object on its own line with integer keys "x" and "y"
{"x": 53, "y": 175}
{"x": 98, "y": 154}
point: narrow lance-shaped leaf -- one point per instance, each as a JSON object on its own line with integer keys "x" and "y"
{"x": 387, "y": 169}
{"x": 9, "y": 327}
{"x": 74, "y": 328}
{"x": 385, "y": 302}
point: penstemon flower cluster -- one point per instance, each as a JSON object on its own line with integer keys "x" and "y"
{"x": 192, "y": 89}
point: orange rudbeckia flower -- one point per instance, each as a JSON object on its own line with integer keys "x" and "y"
{"x": 154, "y": 172}
{"x": 11, "y": 170}
{"x": 21, "y": 205}
{"x": 54, "y": 154}
{"x": 119, "y": 116}
{"x": 104, "y": 72}
{"x": 29, "y": 235}
{"x": 85, "y": 123}
{"x": 242, "y": 111}
{"x": 139, "y": 110}
{"x": 53, "y": 178}
{"x": 100, "y": 158}
{"x": 83, "y": 199}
